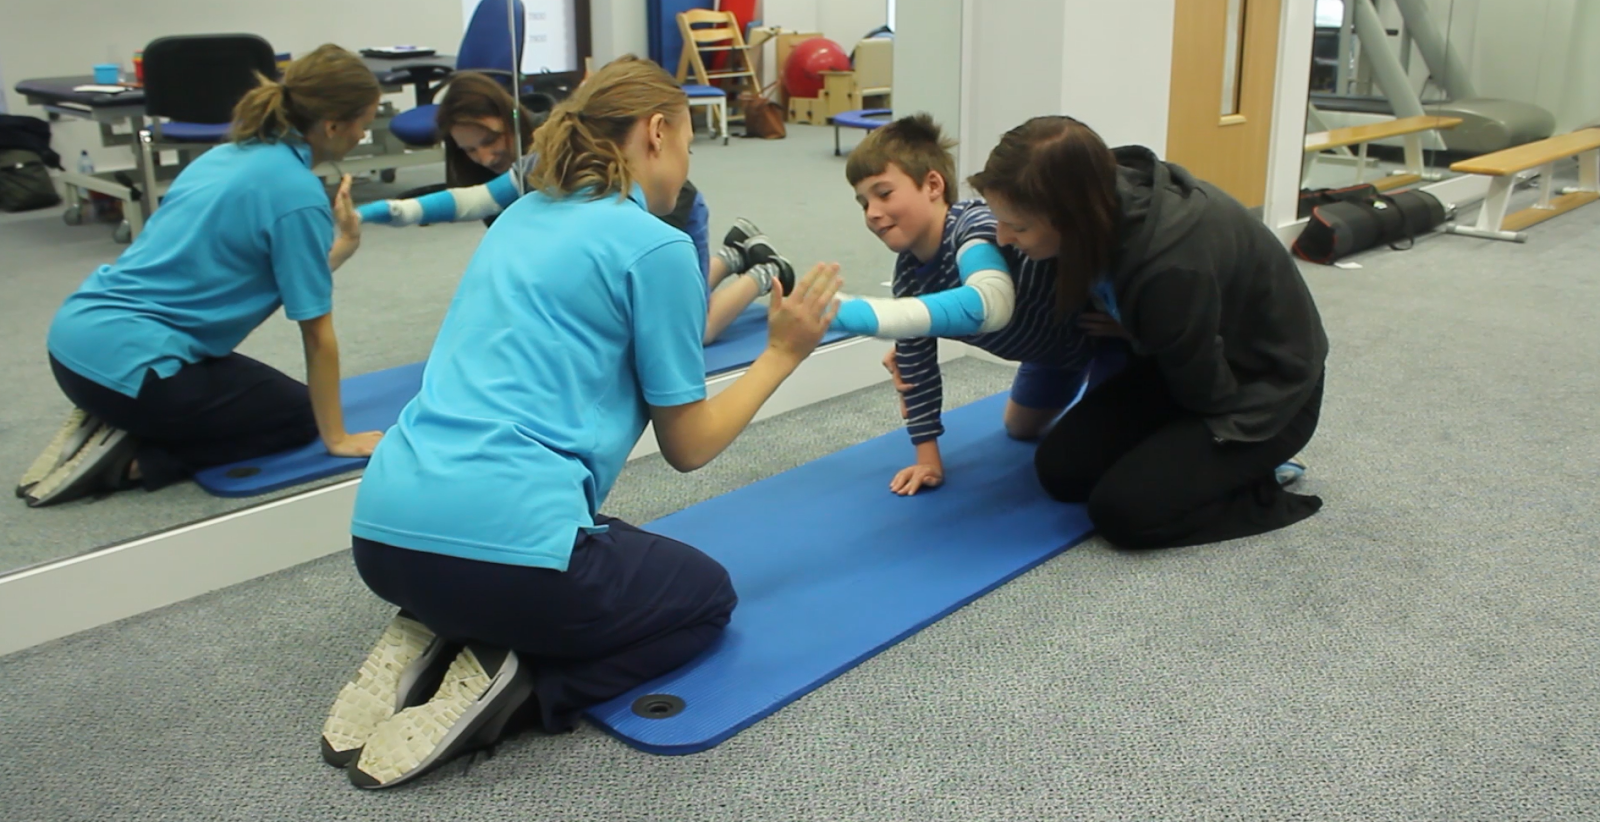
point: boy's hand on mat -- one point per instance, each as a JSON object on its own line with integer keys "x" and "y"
{"x": 796, "y": 322}
{"x": 355, "y": 445}
{"x": 1102, "y": 325}
{"x": 345, "y": 217}
{"x": 919, "y": 476}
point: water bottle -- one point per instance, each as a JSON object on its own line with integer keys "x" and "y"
{"x": 85, "y": 166}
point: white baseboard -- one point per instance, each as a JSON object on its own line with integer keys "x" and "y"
{"x": 58, "y": 598}
{"x": 62, "y": 597}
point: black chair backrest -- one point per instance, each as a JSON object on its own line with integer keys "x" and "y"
{"x": 199, "y": 78}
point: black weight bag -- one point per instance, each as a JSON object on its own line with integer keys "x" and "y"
{"x": 25, "y": 163}
{"x": 1364, "y": 220}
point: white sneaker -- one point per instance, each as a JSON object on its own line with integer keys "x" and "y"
{"x": 480, "y": 692}
{"x": 71, "y": 437}
{"x": 391, "y": 679}
{"x": 101, "y": 464}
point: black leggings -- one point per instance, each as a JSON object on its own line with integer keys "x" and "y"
{"x": 630, "y": 607}
{"x": 1154, "y": 477}
{"x": 212, "y": 412}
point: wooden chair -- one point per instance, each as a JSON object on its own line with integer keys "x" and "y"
{"x": 1409, "y": 127}
{"x": 710, "y": 32}
{"x": 1502, "y": 168}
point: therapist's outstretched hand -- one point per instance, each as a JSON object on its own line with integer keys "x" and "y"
{"x": 344, "y": 213}
{"x": 796, "y": 322}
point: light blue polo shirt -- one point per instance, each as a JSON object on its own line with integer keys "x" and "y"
{"x": 244, "y": 229}
{"x": 572, "y": 318}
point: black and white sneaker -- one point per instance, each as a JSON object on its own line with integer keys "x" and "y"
{"x": 400, "y": 671}
{"x": 62, "y": 447}
{"x": 100, "y": 465}
{"x": 759, "y": 252}
{"x": 741, "y": 232}
{"x": 481, "y": 691}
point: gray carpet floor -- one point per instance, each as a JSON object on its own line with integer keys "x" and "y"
{"x": 389, "y": 301}
{"x": 1423, "y": 649}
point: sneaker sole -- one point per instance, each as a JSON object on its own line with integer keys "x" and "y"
{"x": 80, "y": 469}
{"x": 378, "y": 691}
{"x": 469, "y": 705}
{"x": 742, "y": 230}
{"x": 67, "y": 442}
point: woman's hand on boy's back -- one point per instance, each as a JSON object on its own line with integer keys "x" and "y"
{"x": 1096, "y": 324}
{"x": 796, "y": 322}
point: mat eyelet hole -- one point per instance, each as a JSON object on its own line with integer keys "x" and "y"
{"x": 658, "y": 706}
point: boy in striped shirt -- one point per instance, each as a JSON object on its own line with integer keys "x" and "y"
{"x": 953, "y": 281}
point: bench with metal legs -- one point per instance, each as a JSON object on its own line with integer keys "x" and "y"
{"x": 1503, "y": 167}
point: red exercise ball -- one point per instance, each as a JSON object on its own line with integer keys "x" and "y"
{"x": 802, "y": 72}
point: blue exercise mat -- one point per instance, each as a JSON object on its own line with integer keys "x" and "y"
{"x": 372, "y": 402}
{"x": 831, "y": 568}
{"x": 744, "y": 339}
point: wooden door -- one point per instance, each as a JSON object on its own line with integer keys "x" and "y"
{"x": 1219, "y": 115}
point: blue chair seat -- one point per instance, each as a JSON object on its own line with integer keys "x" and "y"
{"x": 697, "y": 91}
{"x": 195, "y": 132}
{"x": 867, "y": 118}
{"x": 416, "y": 127}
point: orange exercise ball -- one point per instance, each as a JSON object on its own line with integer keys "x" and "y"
{"x": 802, "y": 72}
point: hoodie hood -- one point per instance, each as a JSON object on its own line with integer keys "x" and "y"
{"x": 1160, "y": 208}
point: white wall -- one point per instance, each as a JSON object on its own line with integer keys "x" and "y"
{"x": 1117, "y": 69}
{"x": 619, "y": 27}
{"x": 1012, "y": 72}
{"x": 927, "y": 61}
{"x": 1107, "y": 64}
{"x": 1532, "y": 51}
{"x": 67, "y": 37}
{"x": 842, "y": 21}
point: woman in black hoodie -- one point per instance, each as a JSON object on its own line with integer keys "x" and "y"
{"x": 1225, "y": 382}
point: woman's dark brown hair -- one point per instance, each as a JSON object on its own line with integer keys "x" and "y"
{"x": 1060, "y": 169}
{"x": 470, "y": 97}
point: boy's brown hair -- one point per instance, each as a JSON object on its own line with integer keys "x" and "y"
{"x": 915, "y": 144}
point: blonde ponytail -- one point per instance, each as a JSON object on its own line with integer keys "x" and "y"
{"x": 260, "y": 112}
{"x": 581, "y": 146}
{"x": 329, "y": 83}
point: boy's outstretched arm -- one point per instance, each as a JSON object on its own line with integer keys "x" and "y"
{"x": 983, "y": 302}
{"x": 450, "y": 205}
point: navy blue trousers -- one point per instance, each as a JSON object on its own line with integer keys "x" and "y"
{"x": 212, "y": 412}
{"x": 630, "y": 607}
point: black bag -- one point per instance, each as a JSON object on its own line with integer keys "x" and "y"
{"x": 1311, "y": 198}
{"x": 1339, "y": 229}
{"x": 25, "y": 182}
{"x": 25, "y": 163}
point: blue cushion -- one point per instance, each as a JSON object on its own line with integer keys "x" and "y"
{"x": 416, "y": 127}
{"x": 867, "y": 118}
{"x": 704, "y": 91}
{"x": 195, "y": 132}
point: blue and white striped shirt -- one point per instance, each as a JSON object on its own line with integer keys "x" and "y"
{"x": 1034, "y": 334}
